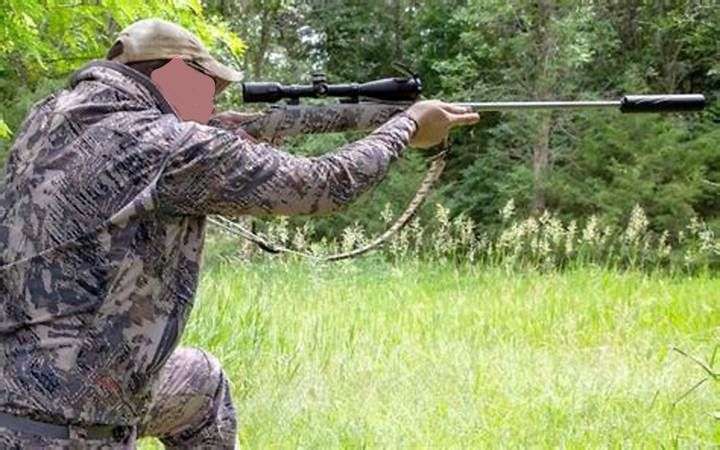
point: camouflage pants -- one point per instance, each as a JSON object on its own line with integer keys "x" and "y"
{"x": 191, "y": 408}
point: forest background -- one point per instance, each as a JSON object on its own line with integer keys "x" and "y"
{"x": 578, "y": 164}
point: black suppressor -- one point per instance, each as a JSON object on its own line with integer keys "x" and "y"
{"x": 386, "y": 89}
{"x": 662, "y": 103}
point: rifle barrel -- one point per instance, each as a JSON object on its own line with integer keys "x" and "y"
{"x": 503, "y": 106}
{"x": 627, "y": 104}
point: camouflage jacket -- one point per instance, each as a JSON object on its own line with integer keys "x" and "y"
{"x": 101, "y": 232}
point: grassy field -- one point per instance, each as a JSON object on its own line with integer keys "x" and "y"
{"x": 418, "y": 355}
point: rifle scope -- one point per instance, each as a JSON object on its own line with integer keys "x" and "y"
{"x": 387, "y": 89}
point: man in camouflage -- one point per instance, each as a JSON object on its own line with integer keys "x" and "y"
{"x": 102, "y": 223}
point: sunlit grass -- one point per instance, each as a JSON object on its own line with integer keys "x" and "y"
{"x": 429, "y": 355}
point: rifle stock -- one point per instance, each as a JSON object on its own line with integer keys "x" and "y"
{"x": 287, "y": 121}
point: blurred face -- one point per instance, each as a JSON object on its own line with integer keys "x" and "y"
{"x": 188, "y": 90}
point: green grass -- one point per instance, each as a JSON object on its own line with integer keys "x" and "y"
{"x": 419, "y": 355}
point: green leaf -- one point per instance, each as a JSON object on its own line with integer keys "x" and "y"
{"x": 5, "y": 132}
{"x": 221, "y": 34}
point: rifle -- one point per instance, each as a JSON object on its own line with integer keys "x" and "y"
{"x": 368, "y": 105}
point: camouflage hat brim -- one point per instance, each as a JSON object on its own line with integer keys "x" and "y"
{"x": 220, "y": 70}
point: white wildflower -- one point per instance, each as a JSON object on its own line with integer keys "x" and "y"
{"x": 508, "y": 211}
{"x": 387, "y": 213}
{"x": 554, "y": 230}
{"x": 664, "y": 247}
{"x": 636, "y": 226}
{"x": 570, "y": 237}
{"x": 590, "y": 232}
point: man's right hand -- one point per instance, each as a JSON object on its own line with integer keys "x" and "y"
{"x": 435, "y": 119}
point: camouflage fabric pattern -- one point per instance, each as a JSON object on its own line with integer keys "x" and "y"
{"x": 12, "y": 440}
{"x": 280, "y": 122}
{"x": 190, "y": 408}
{"x": 191, "y": 405}
{"x": 102, "y": 222}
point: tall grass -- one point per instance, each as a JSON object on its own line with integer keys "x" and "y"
{"x": 371, "y": 354}
{"x": 539, "y": 242}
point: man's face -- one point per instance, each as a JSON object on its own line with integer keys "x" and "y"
{"x": 188, "y": 90}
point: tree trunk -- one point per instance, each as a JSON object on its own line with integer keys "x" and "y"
{"x": 544, "y": 87}
{"x": 399, "y": 30}
{"x": 541, "y": 161}
{"x": 264, "y": 42}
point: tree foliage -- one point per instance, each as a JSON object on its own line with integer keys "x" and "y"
{"x": 45, "y": 40}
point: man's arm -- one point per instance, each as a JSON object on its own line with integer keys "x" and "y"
{"x": 215, "y": 172}
{"x": 277, "y": 123}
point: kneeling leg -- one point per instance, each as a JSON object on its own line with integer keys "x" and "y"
{"x": 191, "y": 405}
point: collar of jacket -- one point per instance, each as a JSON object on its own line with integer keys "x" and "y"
{"x": 129, "y": 72}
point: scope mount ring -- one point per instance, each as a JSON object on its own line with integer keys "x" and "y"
{"x": 320, "y": 85}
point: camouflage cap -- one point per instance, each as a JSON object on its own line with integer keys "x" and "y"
{"x": 151, "y": 39}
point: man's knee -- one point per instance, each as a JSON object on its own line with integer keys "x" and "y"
{"x": 192, "y": 404}
{"x": 196, "y": 371}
